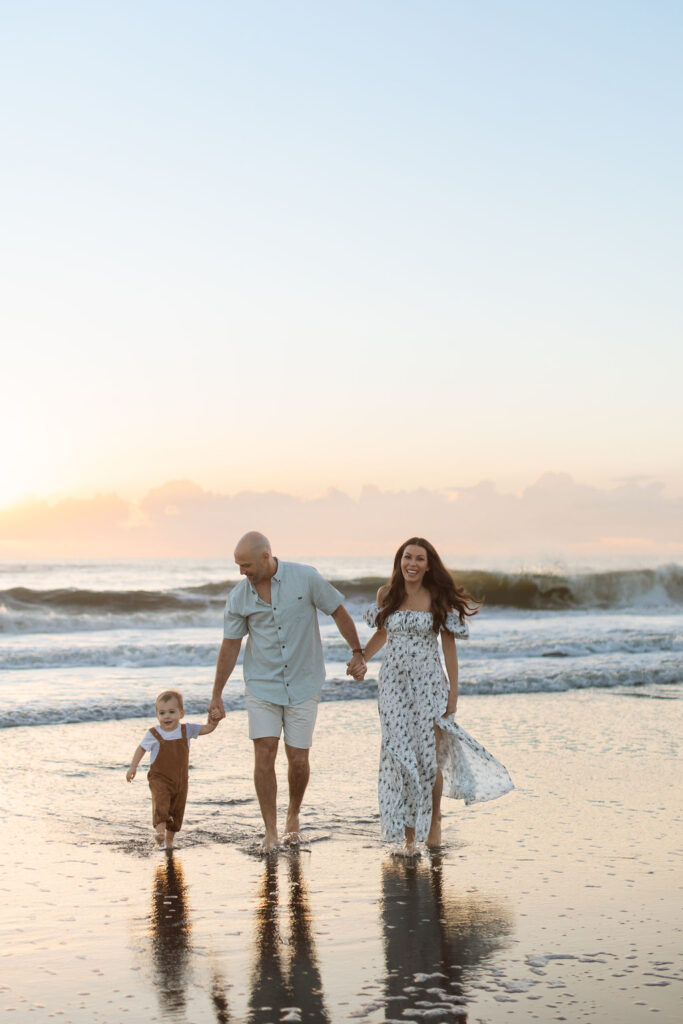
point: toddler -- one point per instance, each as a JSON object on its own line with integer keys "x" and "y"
{"x": 169, "y": 755}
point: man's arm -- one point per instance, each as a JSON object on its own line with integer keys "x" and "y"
{"x": 227, "y": 659}
{"x": 347, "y": 627}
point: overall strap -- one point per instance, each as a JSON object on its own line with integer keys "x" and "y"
{"x": 157, "y": 735}
{"x": 183, "y": 730}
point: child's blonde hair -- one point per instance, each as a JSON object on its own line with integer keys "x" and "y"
{"x": 171, "y": 695}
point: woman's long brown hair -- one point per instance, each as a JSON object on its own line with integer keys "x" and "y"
{"x": 445, "y": 594}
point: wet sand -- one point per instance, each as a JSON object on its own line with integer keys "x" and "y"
{"x": 561, "y": 901}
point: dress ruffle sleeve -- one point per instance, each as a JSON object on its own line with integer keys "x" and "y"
{"x": 460, "y": 630}
{"x": 370, "y": 616}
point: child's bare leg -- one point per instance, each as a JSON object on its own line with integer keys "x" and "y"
{"x": 170, "y": 836}
{"x": 160, "y": 832}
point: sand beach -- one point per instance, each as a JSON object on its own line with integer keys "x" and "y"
{"x": 561, "y": 901}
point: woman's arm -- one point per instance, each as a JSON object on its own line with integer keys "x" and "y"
{"x": 450, "y": 656}
{"x": 375, "y": 643}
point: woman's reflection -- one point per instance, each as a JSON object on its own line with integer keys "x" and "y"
{"x": 285, "y": 973}
{"x": 431, "y": 937}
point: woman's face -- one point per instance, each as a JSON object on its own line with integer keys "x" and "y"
{"x": 414, "y": 563}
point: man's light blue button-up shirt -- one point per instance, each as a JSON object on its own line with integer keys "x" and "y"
{"x": 283, "y": 659}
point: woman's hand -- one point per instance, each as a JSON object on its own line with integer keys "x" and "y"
{"x": 451, "y": 705}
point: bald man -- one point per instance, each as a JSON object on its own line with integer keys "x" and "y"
{"x": 275, "y": 606}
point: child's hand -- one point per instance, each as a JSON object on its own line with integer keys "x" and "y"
{"x": 130, "y": 774}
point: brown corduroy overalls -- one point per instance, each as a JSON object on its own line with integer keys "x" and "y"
{"x": 168, "y": 780}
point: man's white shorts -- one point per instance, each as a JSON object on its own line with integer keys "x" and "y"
{"x": 297, "y": 720}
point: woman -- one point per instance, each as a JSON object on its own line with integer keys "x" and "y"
{"x": 424, "y": 752}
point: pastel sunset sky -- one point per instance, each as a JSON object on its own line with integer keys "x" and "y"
{"x": 429, "y": 251}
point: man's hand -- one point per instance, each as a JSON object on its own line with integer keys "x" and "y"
{"x": 356, "y": 667}
{"x": 216, "y": 709}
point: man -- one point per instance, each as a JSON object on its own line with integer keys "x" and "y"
{"x": 275, "y": 606}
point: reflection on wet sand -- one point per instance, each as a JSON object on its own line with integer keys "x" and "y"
{"x": 170, "y": 935}
{"x": 285, "y": 975}
{"x": 171, "y": 944}
{"x": 432, "y": 938}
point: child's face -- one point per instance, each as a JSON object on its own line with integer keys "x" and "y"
{"x": 168, "y": 714}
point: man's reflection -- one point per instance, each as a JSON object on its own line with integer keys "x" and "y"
{"x": 431, "y": 938}
{"x": 170, "y": 935}
{"x": 285, "y": 973}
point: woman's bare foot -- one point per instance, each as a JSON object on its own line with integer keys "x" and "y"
{"x": 434, "y": 836}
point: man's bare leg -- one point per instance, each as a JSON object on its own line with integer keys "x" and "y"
{"x": 265, "y": 783}
{"x": 298, "y": 774}
{"x": 434, "y": 836}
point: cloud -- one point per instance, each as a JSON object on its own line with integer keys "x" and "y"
{"x": 555, "y": 515}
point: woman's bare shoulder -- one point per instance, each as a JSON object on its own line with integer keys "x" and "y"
{"x": 382, "y": 594}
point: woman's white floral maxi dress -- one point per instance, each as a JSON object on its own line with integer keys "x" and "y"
{"x": 413, "y": 693}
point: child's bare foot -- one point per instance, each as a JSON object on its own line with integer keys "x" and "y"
{"x": 160, "y": 834}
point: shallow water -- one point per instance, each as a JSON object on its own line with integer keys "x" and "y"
{"x": 559, "y": 901}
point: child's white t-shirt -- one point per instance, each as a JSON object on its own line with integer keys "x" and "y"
{"x": 151, "y": 743}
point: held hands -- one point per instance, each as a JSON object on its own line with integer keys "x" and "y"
{"x": 216, "y": 709}
{"x": 356, "y": 667}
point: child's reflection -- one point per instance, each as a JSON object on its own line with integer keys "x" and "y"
{"x": 171, "y": 943}
{"x": 285, "y": 973}
{"x": 431, "y": 937}
{"x": 170, "y": 934}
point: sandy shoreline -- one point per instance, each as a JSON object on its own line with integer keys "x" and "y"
{"x": 558, "y": 902}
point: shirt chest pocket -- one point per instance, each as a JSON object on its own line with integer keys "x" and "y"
{"x": 294, "y": 608}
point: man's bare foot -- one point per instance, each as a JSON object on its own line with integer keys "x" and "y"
{"x": 292, "y": 823}
{"x": 269, "y": 843}
{"x": 292, "y": 839}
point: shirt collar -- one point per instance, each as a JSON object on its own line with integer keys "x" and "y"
{"x": 277, "y": 576}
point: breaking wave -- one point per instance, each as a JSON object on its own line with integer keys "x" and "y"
{"x": 23, "y": 609}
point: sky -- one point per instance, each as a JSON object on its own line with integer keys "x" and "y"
{"x": 320, "y": 247}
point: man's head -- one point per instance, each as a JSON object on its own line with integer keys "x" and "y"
{"x": 254, "y": 557}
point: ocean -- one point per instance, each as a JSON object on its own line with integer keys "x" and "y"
{"x": 95, "y": 640}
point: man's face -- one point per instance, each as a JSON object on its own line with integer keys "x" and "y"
{"x": 251, "y": 565}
